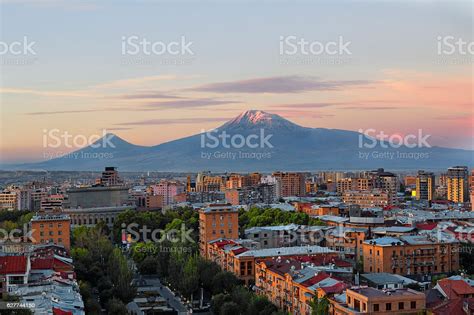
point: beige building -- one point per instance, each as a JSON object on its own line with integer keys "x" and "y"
{"x": 366, "y": 300}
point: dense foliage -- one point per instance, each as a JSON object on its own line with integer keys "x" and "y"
{"x": 10, "y": 220}
{"x": 269, "y": 216}
{"x": 101, "y": 268}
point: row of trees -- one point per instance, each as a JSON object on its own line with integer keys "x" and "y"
{"x": 102, "y": 270}
{"x": 269, "y": 216}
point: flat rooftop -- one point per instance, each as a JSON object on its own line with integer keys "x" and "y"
{"x": 374, "y": 293}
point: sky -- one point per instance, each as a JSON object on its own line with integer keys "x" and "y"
{"x": 85, "y": 72}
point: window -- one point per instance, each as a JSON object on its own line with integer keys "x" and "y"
{"x": 376, "y": 308}
{"x": 413, "y": 304}
{"x": 60, "y": 240}
{"x": 401, "y": 305}
{"x": 388, "y": 306}
{"x": 370, "y": 252}
{"x": 378, "y": 253}
{"x": 60, "y": 232}
{"x": 51, "y": 233}
{"x": 41, "y": 225}
{"x": 41, "y": 233}
{"x": 60, "y": 225}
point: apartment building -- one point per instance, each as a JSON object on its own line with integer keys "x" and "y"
{"x": 457, "y": 182}
{"x": 367, "y": 300}
{"x": 425, "y": 186}
{"x": 217, "y": 221}
{"x": 410, "y": 255}
{"x": 240, "y": 256}
{"x": 292, "y": 184}
{"x": 291, "y": 285}
{"x": 8, "y": 200}
{"x": 367, "y": 198}
{"x": 51, "y": 229}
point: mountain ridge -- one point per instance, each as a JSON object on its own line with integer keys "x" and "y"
{"x": 288, "y": 146}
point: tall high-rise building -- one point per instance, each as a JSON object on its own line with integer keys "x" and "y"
{"x": 217, "y": 221}
{"x": 425, "y": 185}
{"x": 457, "y": 182}
{"x": 292, "y": 184}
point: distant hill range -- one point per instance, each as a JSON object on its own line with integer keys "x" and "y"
{"x": 281, "y": 145}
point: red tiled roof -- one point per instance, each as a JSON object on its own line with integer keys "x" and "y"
{"x": 316, "y": 279}
{"x": 223, "y": 243}
{"x": 426, "y": 226}
{"x": 13, "y": 265}
{"x": 451, "y": 307}
{"x": 455, "y": 288}
{"x": 239, "y": 250}
{"x": 58, "y": 311}
{"x": 48, "y": 263}
{"x": 336, "y": 288}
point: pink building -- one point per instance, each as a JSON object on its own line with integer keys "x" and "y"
{"x": 168, "y": 189}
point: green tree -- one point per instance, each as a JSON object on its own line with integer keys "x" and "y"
{"x": 116, "y": 307}
{"x": 230, "y": 308}
{"x": 121, "y": 277}
{"x": 224, "y": 282}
